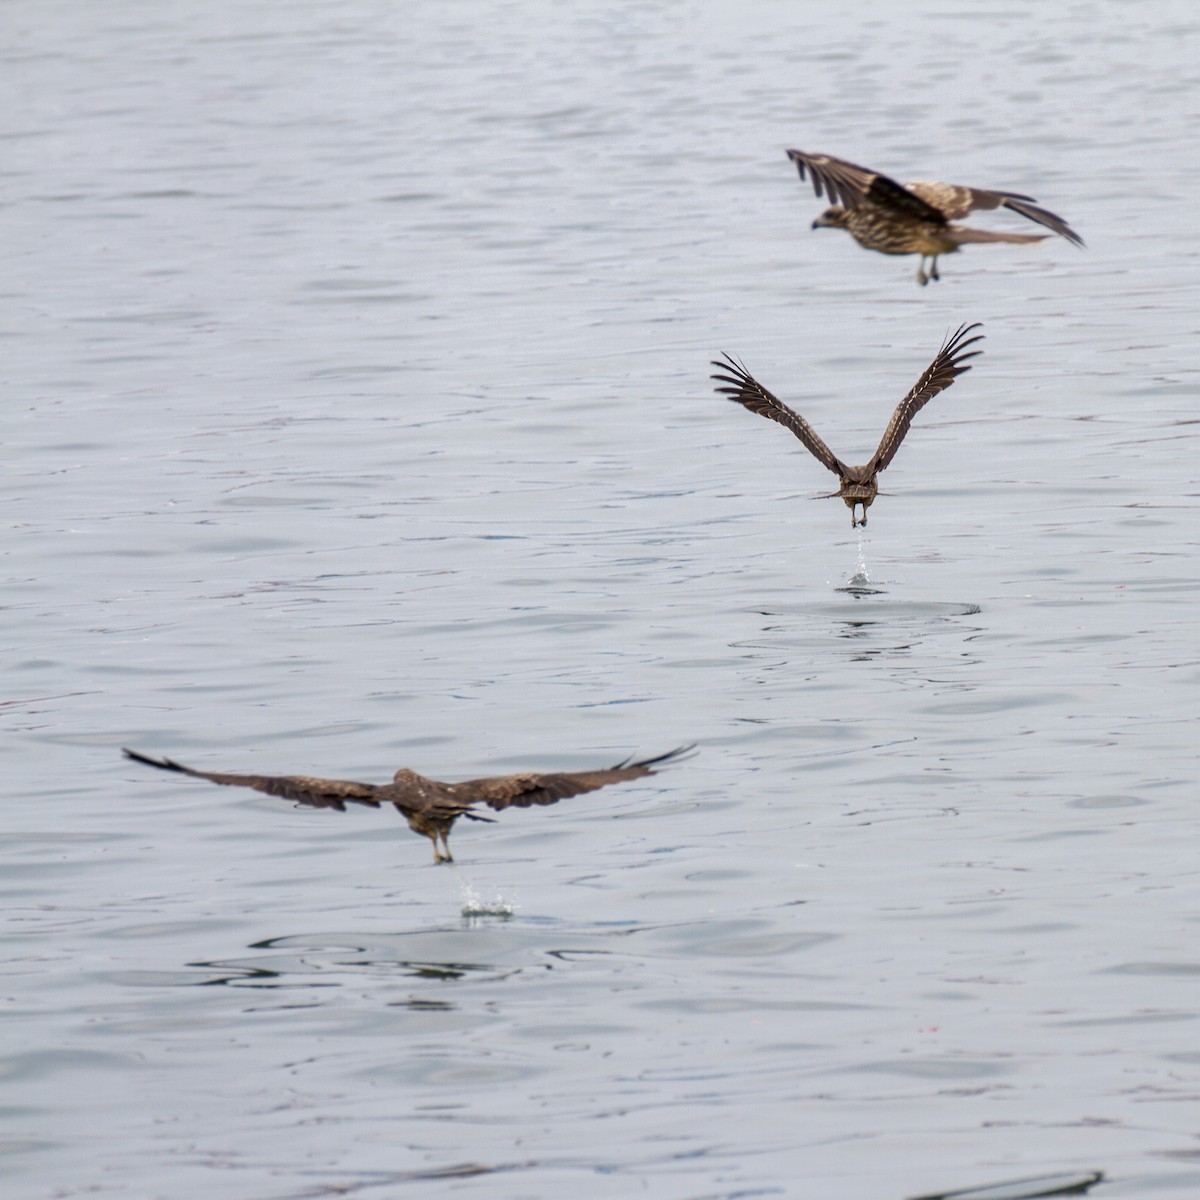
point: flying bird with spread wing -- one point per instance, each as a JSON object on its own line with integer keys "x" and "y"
{"x": 913, "y": 218}
{"x": 429, "y": 806}
{"x": 856, "y": 485}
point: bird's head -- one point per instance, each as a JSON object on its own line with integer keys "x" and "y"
{"x": 858, "y": 486}
{"x": 831, "y": 218}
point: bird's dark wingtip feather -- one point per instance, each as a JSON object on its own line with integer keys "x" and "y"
{"x": 958, "y": 341}
{"x": 164, "y": 764}
{"x": 809, "y": 173}
{"x": 737, "y": 380}
{"x": 676, "y": 755}
{"x": 965, "y": 328}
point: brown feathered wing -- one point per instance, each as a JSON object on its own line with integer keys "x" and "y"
{"x": 956, "y": 201}
{"x": 303, "y": 789}
{"x": 947, "y": 366}
{"x": 527, "y": 789}
{"x": 745, "y": 390}
{"x": 852, "y": 186}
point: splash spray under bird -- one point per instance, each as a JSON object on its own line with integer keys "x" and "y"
{"x": 430, "y": 806}
{"x": 913, "y": 218}
{"x": 856, "y": 485}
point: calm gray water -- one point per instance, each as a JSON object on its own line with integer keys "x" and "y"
{"x": 358, "y": 416}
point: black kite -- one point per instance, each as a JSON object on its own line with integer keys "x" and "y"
{"x": 913, "y": 218}
{"x": 856, "y": 485}
{"x": 430, "y": 806}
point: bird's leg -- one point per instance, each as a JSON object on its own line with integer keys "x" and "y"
{"x": 933, "y": 271}
{"x": 437, "y": 854}
{"x": 447, "y": 857}
{"x": 922, "y": 278}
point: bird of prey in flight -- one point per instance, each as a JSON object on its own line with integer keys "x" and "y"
{"x": 430, "y": 806}
{"x": 856, "y": 485}
{"x": 913, "y": 218}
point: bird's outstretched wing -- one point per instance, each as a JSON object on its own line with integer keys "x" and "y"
{"x": 526, "y": 789}
{"x": 303, "y": 789}
{"x": 947, "y": 366}
{"x": 748, "y": 392}
{"x": 852, "y": 186}
{"x": 956, "y": 201}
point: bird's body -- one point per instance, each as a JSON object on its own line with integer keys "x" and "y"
{"x": 913, "y": 218}
{"x": 856, "y": 484}
{"x": 428, "y": 805}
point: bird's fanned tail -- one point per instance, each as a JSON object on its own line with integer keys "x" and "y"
{"x": 963, "y": 235}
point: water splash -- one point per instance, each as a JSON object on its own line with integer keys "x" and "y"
{"x": 862, "y": 577}
{"x": 474, "y": 906}
{"x": 859, "y": 584}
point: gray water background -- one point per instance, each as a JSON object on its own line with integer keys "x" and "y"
{"x": 357, "y": 415}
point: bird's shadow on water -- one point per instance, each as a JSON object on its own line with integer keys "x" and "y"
{"x": 473, "y": 949}
{"x": 325, "y": 960}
